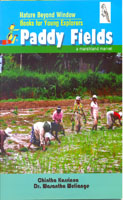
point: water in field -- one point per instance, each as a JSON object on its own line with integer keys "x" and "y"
{"x": 86, "y": 152}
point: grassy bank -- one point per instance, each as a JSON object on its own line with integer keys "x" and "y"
{"x": 111, "y": 99}
{"x": 27, "y": 84}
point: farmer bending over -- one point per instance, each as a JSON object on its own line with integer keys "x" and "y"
{"x": 78, "y": 113}
{"x": 94, "y": 112}
{"x": 3, "y": 135}
{"x": 57, "y": 118}
{"x": 112, "y": 117}
{"x": 38, "y": 137}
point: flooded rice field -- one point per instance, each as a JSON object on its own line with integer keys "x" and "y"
{"x": 86, "y": 152}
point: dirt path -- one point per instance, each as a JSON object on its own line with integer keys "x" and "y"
{"x": 45, "y": 103}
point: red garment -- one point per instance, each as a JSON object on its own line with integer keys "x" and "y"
{"x": 4, "y": 42}
{"x": 117, "y": 115}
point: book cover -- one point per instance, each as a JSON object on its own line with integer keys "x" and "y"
{"x": 61, "y": 99}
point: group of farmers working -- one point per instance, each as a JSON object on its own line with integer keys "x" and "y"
{"x": 44, "y": 132}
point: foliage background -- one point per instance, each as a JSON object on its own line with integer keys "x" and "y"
{"x": 52, "y": 76}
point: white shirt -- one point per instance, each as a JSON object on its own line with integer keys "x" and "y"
{"x": 94, "y": 106}
{"x": 39, "y": 131}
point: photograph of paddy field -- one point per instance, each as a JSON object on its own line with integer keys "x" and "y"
{"x": 30, "y": 95}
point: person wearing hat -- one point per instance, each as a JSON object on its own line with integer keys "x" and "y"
{"x": 3, "y": 135}
{"x": 112, "y": 117}
{"x": 78, "y": 113}
{"x": 57, "y": 119}
{"x": 94, "y": 112}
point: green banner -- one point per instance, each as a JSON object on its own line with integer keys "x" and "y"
{"x": 63, "y": 49}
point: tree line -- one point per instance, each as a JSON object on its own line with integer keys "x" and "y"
{"x": 61, "y": 62}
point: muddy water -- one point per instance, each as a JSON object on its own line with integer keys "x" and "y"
{"x": 22, "y": 121}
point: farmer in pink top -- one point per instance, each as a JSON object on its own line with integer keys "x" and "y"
{"x": 57, "y": 118}
{"x": 58, "y": 115}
